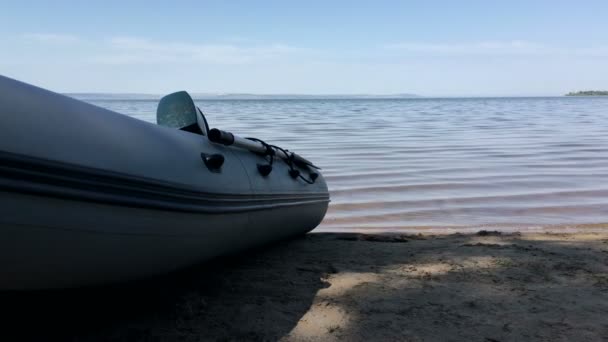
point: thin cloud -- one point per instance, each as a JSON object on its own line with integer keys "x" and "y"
{"x": 599, "y": 51}
{"x": 135, "y": 50}
{"x": 52, "y": 38}
{"x": 493, "y": 48}
{"x": 128, "y": 50}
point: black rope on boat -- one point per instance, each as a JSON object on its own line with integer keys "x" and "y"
{"x": 264, "y": 169}
{"x": 269, "y": 150}
{"x": 293, "y": 172}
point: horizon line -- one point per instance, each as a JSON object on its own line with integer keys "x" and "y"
{"x": 226, "y": 94}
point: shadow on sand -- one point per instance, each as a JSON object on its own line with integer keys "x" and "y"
{"x": 252, "y": 296}
{"x": 483, "y": 287}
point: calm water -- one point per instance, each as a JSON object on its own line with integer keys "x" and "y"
{"x": 504, "y": 163}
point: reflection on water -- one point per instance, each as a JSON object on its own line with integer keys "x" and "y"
{"x": 431, "y": 163}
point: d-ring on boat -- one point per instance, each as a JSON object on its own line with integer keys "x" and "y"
{"x": 89, "y": 196}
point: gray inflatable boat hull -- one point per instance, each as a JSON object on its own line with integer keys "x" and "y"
{"x": 89, "y": 196}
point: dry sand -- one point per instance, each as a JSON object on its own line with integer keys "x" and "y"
{"x": 350, "y": 287}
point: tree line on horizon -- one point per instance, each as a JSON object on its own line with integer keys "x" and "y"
{"x": 588, "y": 93}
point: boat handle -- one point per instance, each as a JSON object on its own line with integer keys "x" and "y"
{"x": 213, "y": 161}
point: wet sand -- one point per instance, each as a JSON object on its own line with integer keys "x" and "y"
{"x": 352, "y": 287}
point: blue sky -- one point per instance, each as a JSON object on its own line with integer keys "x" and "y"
{"x": 433, "y": 48}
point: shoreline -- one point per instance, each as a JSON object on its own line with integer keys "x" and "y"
{"x": 443, "y": 230}
{"x": 488, "y": 286}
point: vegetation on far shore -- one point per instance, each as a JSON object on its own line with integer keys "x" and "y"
{"x": 588, "y": 93}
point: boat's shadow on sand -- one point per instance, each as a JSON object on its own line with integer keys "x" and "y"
{"x": 353, "y": 287}
{"x": 234, "y": 297}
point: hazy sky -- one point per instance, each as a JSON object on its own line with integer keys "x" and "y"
{"x": 431, "y": 48}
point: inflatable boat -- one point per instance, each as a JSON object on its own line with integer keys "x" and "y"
{"x": 89, "y": 196}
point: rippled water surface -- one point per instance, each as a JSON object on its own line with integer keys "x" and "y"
{"x": 510, "y": 163}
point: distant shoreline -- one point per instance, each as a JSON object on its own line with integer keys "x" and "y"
{"x": 270, "y": 97}
{"x": 588, "y": 93}
{"x": 238, "y": 96}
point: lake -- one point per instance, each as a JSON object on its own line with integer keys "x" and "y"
{"x": 435, "y": 164}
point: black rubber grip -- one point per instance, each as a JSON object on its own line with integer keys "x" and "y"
{"x": 221, "y": 137}
{"x": 213, "y": 161}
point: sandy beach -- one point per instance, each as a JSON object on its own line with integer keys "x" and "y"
{"x": 352, "y": 287}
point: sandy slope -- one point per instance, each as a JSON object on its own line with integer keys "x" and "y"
{"x": 351, "y": 287}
